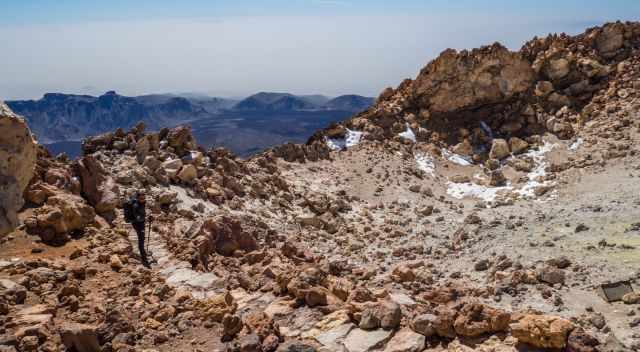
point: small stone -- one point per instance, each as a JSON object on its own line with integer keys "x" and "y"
{"x": 631, "y": 298}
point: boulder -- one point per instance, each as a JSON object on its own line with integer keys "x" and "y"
{"x": 463, "y": 148}
{"x": 97, "y": 186}
{"x": 181, "y": 140}
{"x": 580, "y": 341}
{"x": 188, "y": 173}
{"x": 406, "y": 340}
{"x": 12, "y": 291}
{"x": 18, "y": 152}
{"x": 228, "y": 235}
{"x": 79, "y": 337}
{"x": 497, "y": 178}
{"x": 631, "y": 298}
{"x": 369, "y": 320}
{"x": 543, "y": 88}
{"x": 92, "y": 144}
{"x": 215, "y": 308}
{"x": 443, "y": 320}
{"x": 151, "y": 162}
{"x": 476, "y": 319}
{"x": 517, "y": 145}
{"x": 231, "y": 326}
{"x": 542, "y": 331}
{"x": 610, "y": 39}
{"x": 423, "y": 324}
{"x": 389, "y": 314}
{"x": 499, "y": 149}
{"x": 360, "y": 340}
{"x": 316, "y": 296}
{"x": 403, "y": 273}
{"x": 556, "y": 69}
{"x": 470, "y": 79}
{"x": 551, "y": 275}
{"x": 167, "y": 197}
{"x": 62, "y": 214}
{"x": 143, "y": 146}
{"x": 171, "y": 167}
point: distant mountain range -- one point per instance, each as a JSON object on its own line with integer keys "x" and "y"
{"x": 62, "y": 120}
{"x": 289, "y": 102}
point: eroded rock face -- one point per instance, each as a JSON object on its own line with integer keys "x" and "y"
{"x": 465, "y": 80}
{"x": 98, "y": 187}
{"x": 62, "y": 214}
{"x": 17, "y": 163}
{"x": 542, "y": 331}
{"x": 227, "y": 235}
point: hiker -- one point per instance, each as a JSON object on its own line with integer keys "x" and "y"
{"x": 135, "y": 213}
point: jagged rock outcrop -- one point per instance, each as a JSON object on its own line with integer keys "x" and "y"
{"x": 542, "y": 331}
{"x": 470, "y": 79}
{"x": 228, "y": 235}
{"x": 17, "y": 163}
{"x": 61, "y": 215}
{"x": 467, "y": 98}
{"x": 97, "y": 186}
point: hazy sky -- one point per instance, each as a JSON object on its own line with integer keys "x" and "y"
{"x": 235, "y": 48}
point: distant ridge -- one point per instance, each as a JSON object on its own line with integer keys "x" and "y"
{"x": 257, "y": 122}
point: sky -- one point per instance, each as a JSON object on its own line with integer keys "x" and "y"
{"x": 236, "y": 48}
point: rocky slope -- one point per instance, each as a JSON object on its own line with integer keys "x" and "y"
{"x": 465, "y": 211}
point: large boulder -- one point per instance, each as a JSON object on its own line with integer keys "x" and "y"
{"x": 61, "y": 214}
{"x": 188, "y": 173}
{"x": 18, "y": 153}
{"x": 79, "y": 337}
{"x": 499, "y": 149}
{"x": 97, "y": 186}
{"x": 610, "y": 38}
{"x": 181, "y": 140}
{"x": 476, "y": 319}
{"x": 227, "y": 235}
{"x": 542, "y": 331}
{"x": 470, "y": 79}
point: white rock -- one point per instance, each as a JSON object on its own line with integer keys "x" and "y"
{"x": 406, "y": 340}
{"x": 333, "y": 337}
{"x": 360, "y": 340}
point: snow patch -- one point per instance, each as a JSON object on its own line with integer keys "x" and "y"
{"x": 456, "y": 158}
{"x": 488, "y": 194}
{"x": 425, "y": 163}
{"x": 408, "y": 134}
{"x": 575, "y": 145}
{"x": 463, "y": 190}
{"x": 350, "y": 139}
{"x": 538, "y": 156}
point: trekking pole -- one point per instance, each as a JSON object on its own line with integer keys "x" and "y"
{"x": 148, "y": 238}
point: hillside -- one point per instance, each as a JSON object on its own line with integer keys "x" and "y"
{"x": 485, "y": 205}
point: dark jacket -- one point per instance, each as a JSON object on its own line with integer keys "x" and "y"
{"x": 138, "y": 212}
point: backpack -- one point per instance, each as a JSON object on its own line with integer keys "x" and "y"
{"x": 128, "y": 210}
